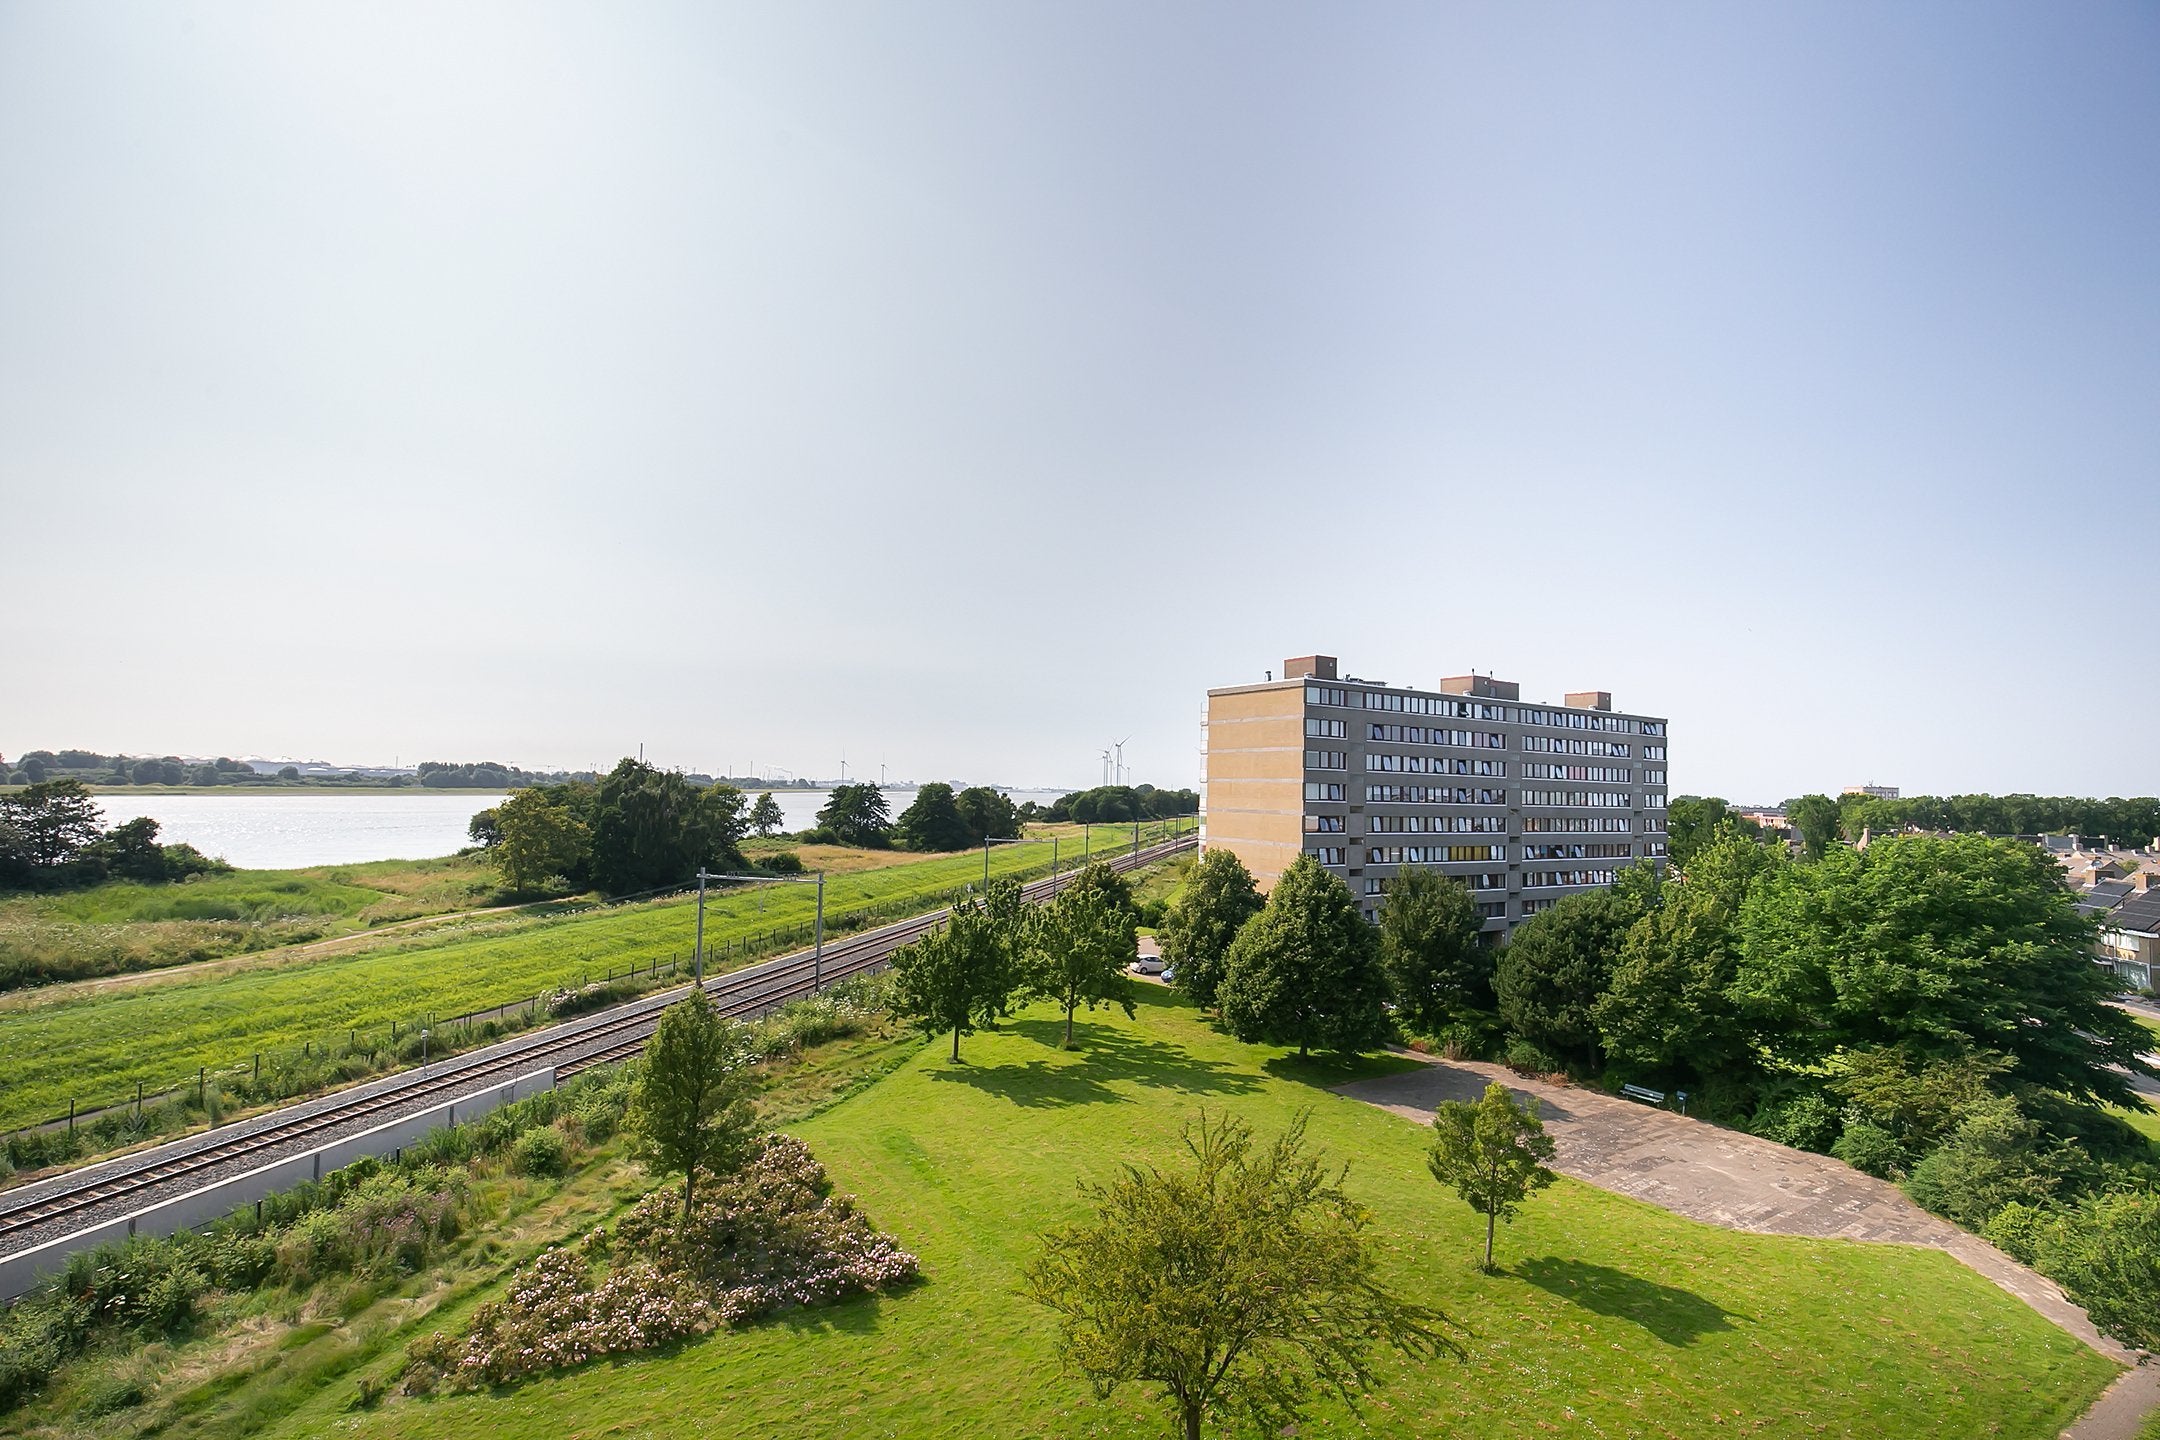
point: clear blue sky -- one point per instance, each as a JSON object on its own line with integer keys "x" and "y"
{"x": 964, "y": 387}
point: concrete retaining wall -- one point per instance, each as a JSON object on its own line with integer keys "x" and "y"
{"x": 21, "y": 1271}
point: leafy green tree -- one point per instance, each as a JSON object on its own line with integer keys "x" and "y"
{"x": 1668, "y": 1003}
{"x": 289, "y": 772}
{"x": 1433, "y": 949}
{"x": 1815, "y": 819}
{"x": 1994, "y": 1157}
{"x": 987, "y": 814}
{"x": 1694, "y": 821}
{"x": 537, "y": 839}
{"x": 858, "y": 815}
{"x": 766, "y": 817}
{"x": 1492, "y": 1153}
{"x": 130, "y": 851}
{"x": 1944, "y": 947}
{"x": 481, "y": 829}
{"x": 1306, "y": 970}
{"x": 690, "y": 1108}
{"x": 652, "y": 827}
{"x": 933, "y": 821}
{"x": 2106, "y": 1253}
{"x": 1238, "y": 1286}
{"x": 1218, "y": 898}
{"x": 1077, "y": 948}
{"x": 56, "y": 821}
{"x": 1557, "y": 965}
{"x": 961, "y": 976}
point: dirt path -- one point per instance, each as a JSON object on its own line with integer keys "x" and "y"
{"x": 1723, "y": 1177}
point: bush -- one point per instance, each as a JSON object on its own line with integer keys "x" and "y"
{"x": 541, "y": 1151}
{"x": 1806, "y": 1121}
{"x": 1525, "y": 1057}
{"x": 2017, "y": 1230}
{"x": 781, "y": 862}
{"x": 1870, "y": 1148}
{"x": 1992, "y": 1159}
{"x": 2106, "y": 1253}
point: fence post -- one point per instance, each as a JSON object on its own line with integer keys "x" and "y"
{"x": 138, "y": 1099}
{"x": 202, "y": 1073}
{"x": 71, "y": 1115}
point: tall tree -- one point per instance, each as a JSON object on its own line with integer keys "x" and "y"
{"x": 1219, "y": 896}
{"x": 1694, "y": 821}
{"x": 858, "y": 815}
{"x": 1077, "y": 949}
{"x": 1238, "y": 1285}
{"x": 1945, "y": 947}
{"x": 987, "y": 814}
{"x": 1433, "y": 948}
{"x": 1815, "y": 819}
{"x": 958, "y": 977}
{"x": 56, "y": 820}
{"x": 690, "y": 1106}
{"x": 537, "y": 838}
{"x": 766, "y": 817}
{"x": 1306, "y": 970}
{"x": 1492, "y": 1153}
{"x": 1669, "y": 1003}
{"x": 1556, "y": 966}
{"x": 653, "y": 827}
{"x": 933, "y": 821}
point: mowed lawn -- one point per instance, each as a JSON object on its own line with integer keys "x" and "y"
{"x": 1612, "y": 1318}
{"x": 94, "y": 1048}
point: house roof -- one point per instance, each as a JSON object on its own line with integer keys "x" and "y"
{"x": 2140, "y": 913}
{"x": 2103, "y": 897}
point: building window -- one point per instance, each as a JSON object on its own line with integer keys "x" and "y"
{"x": 1327, "y": 760}
{"x": 1492, "y": 909}
{"x": 1323, "y": 790}
{"x": 1324, "y": 729}
{"x": 1324, "y": 824}
{"x": 1538, "y": 906}
{"x": 1326, "y": 695}
{"x": 1328, "y": 854}
{"x": 1551, "y": 879}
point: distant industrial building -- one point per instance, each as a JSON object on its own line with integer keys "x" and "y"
{"x": 1523, "y": 803}
{"x": 1879, "y": 792}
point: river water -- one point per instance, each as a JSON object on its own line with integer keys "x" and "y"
{"x": 286, "y": 829}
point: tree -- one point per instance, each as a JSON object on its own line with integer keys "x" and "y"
{"x": 858, "y": 815}
{"x": 690, "y": 1104}
{"x": 482, "y": 829}
{"x": 987, "y": 814}
{"x": 1555, "y": 968}
{"x": 1218, "y": 898}
{"x": 1945, "y": 947}
{"x": 1306, "y": 969}
{"x": 933, "y": 821}
{"x": 1668, "y": 1003}
{"x": 536, "y": 839}
{"x": 1238, "y": 1285}
{"x": 56, "y": 821}
{"x": 1078, "y": 947}
{"x": 289, "y": 772}
{"x": 2106, "y": 1253}
{"x": 1433, "y": 950}
{"x": 1815, "y": 819}
{"x": 652, "y": 827}
{"x": 766, "y": 817}
{"x": 1694, "y": 821}
{"x": 130, "y": 851}
{"x": 960, "y": 976}
{"x": 1492, "y": 1153}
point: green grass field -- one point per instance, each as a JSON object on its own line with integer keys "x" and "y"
{"x": 94, "y": 1048}
{"x": 1610, "y": 1318}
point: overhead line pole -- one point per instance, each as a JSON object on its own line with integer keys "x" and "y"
{"x": 817, "y": 954}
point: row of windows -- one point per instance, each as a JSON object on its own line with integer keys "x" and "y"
{"x": 1432, "y": 735}
{"x": 1578, "y": 850}
{"x": 1538, "y": 906}
{"x": 1608, "y": 774}
{"x": 1436, "y": 795}
{"x": 1562, "y": 745}
{"x": 1491, "y": 909}
{"x": 1653, "y": 802}
{"x": 1435, "y": 824}
{"x": 1396, "y": 700}
{"x": 1325, "y": 729}
{"x": 1653, "y": 847}
{"x": 1653, "y": 777}
{"x": 1327, "y": 760}
{"x": 1577, "y": 825}
{"x": 1431, "y": 854}
{"x": 1548, "y": 879}
{"x": 1653, "y": 752}
{"x": 1323, "y": 824}
{"x": 1387, "y": 762}
{"x": 1328, "y": 854}
{"x": 1580, "y": 799}
{"x": 1323, "y": 790}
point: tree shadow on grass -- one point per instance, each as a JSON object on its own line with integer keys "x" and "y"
{"x": 1675, "y": 1316}
{"x": 1105, "y": 1056}
{"x": 1325, "y": 1070}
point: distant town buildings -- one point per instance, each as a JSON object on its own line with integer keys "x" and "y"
{"x": 1879, "y": 792}
{"x": 1523, "y": 803}
{"x": 2120, "y": 889}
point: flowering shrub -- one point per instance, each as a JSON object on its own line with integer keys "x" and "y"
{"x": 770, "y": 1238}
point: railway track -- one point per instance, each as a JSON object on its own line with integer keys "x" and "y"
{"x": 41, "y": 1212}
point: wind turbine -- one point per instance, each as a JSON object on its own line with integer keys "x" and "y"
{"x": 1120, "y": 747}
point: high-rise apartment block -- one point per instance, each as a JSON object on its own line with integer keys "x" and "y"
{"x": 1523, "y": 803}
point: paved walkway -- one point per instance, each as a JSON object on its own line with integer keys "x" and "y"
{"x": 1742, "y": 1182}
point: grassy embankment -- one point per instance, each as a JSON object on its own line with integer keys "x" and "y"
{"x": 1609, "y": 1317}
{"x": 95, "y": 1047}
{"x": 123, "y": 927}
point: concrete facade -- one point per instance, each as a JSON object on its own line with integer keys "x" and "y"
{"x": 1524, "y": 803}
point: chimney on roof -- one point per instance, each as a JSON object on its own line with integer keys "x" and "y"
{"x": 1482, "y": 686}
{"x": 1589, "y": 700}
{"x": 1309, "y": 667}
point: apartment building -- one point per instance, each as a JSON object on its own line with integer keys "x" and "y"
{"x": 1523, "y": 803}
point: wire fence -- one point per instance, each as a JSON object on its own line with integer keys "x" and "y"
{"x": 212, "y": 1093}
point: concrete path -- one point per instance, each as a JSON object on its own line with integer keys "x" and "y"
{"x": 1741, "y": 1182}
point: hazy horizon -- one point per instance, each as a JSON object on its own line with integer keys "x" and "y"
{"x": 963, "y": 387}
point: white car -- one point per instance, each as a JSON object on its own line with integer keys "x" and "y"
{"x": 1148, "y": 965}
